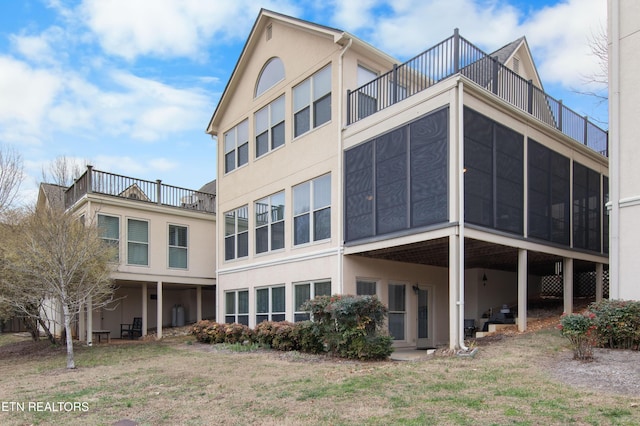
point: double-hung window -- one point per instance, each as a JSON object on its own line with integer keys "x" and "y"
{"x": 312, "y": 210}
{"x": 270, "y": 304}
{"x": 236, "y": 233}
{"x": 307, "y": 291}
{"x": 137, "y": 242}
{"x": 236, "y": 147}
{"x": 270, "y": 223}
{"x": 312, "y": 102}
{"x": 269, "y": 125}
{"x": 237, "y": 307}
{"x": 397, "y": 311}
{"x": 178, "y": 246}
{"x": 110, "y": 232}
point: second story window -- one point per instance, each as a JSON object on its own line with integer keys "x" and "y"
{"x": 236, "y": 233}
{"x": 312, "y": 210}
{"x": 137, "y": 242}
{"x": 236, "y": 147}
{"x": 269, "y": 123}
{"x": 110, "y": 232}
{"x": 178, "y": 246}
{"x": 312, "y": 102}
{"x": 270, "y": 223}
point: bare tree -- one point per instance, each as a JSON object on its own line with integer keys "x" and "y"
{"x": 63, "y": 170}
{"x": 599, "y": 79}
{"x": 11, "y": 176}
{"x": 56, "y": 262}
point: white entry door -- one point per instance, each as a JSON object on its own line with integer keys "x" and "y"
{"x": 425, "y": 315}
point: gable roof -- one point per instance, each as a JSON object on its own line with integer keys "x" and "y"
{"x": 508, "y": 51}
{"x": 51, "y": 195}
{"x": 209, "y": 187}
{"x": 339, "y": 37}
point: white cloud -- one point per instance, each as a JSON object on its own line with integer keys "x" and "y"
{"x": 558, "y": 35}
{"x": 27, "y": 94}
{"x": 42, "y": 48}
{"x": 165, "y": 28}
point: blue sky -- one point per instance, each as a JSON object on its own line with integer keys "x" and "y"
{"x": 130, "y": 85}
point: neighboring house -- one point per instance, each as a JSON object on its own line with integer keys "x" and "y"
{"x": 624, "y": 103}
{"x": 165, "y": 236}
{"x": 448, "y": 186}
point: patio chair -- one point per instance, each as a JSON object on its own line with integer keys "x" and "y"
{"x": 131, "y": 330}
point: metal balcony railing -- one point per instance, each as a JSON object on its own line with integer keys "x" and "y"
{"x": 98, "y": 182}
{"x": 456, "y": 55}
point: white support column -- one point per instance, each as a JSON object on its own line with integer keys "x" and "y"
{"x": 567, "y": 280}
{"x": 199, "y": 303}
{"x": 145, "y": 309}
{"x": 89, "y": 321}
{"x": 454, "y": 276}
{"x": 82, "y": 325}
{"x": 522, "y": 289}
{"x": 159, "y": 313}
{"x": 599, "y": 281}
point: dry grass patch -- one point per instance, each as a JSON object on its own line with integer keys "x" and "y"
{"x": 177, "y": 381}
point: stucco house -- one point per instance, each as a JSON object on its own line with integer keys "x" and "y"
{"x": 165, "y": 236}
{"x": 449, "y": 186}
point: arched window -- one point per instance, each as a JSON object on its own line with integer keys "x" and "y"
{"x": 272, "y": 73}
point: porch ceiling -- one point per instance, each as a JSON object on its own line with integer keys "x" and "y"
{"x": 478, "y": 254}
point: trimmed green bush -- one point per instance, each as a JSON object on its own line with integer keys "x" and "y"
{"x": 351, "y": 326}
{"x": 618, "y": 323}
{"x": 346, "y": 326}
{"x": 581, "y": 331}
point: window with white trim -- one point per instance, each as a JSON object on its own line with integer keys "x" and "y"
{"x": 270, "y": 223}
{"x": 109, "y": 227}
{"x": 306, "y": 291}
{"x": 270, "y": 304}
{"x": 236, "y": 233}
{"x": 178, "y": 247}
{"x": 236, "y": 307}
{"x": 312, "y": 210}
{"x": 366, "y": 287}
{"x": 137, "y": 242}
{"x": 271, "y": 74}
{"x": 397, "y": 311}
{"x": 236, "y": 147}
{"x": 312, "y": 102}
{"x": 269, "y": 126}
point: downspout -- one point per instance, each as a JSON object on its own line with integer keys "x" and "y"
{"x": 461, "y": 215}
{"x": 340, "y": 165}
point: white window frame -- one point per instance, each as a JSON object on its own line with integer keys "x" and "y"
{"x": 235, "y": 139}
{"x": 271, "y": 221}
{"x": 398, "y": 312}
{"x": 312, "y": 92}
{"x": 309, "y": 208}
{"x": 114, "y": 242}
{"x": 235, "y": 313}
{"x": 235, "y": 233}
{"x": 273, "y": 116}
{"x": 313, "y": 293}
{"x": 271, "y": 314}
{"x": 184, "y": 248}
{"x": 140, "y": 243}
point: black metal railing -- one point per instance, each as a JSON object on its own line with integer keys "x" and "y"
{"x": 96, "y": 181}
{"x": 456, "y": 55}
